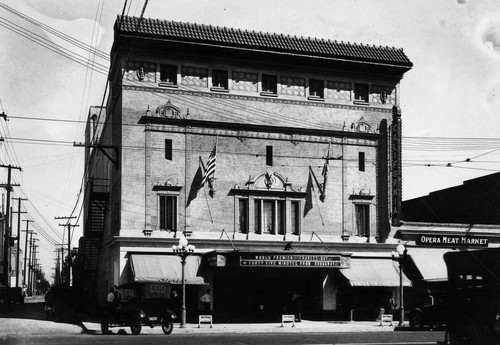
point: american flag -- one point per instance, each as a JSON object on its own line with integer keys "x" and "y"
{"x": 210, "y": 168}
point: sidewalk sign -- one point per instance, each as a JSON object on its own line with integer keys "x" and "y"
{"x": 384, "y": 318}
{"x": 287, "y": 318}
{"x": 205, "y": 319}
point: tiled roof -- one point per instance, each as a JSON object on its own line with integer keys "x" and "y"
{"x": 237, "y": 38}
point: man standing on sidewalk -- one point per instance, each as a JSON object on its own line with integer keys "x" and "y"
{"x": 205, "y": 300}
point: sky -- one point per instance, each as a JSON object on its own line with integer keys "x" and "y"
{"x": 450, "y": 99}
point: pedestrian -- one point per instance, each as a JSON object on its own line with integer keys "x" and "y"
{"x": 205, "y": 300}
{"x": 392, "y": 303}
{"x": 176, "y": 303}
{"x": 293, "y": 306}
{"x": 429, "y": 300}
{"x": 110, "y": 300}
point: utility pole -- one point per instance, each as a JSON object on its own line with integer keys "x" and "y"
{"x": 26, "y": 249}
{"x": 30, "y": 265}
{"x": 18, "y": 238}
{"x": 58, "y": 266}
{"x": 33, "y": 270}
{"x": 5, "y": 278}
{"x": 69, "y": 225}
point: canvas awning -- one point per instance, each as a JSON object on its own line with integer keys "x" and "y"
{"x": 430, "y": 263}
{"x": 374, "y": 272}
{"x": 165, "y": 268}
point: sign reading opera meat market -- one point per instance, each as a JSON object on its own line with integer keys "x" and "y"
{"x": 293, "y": 260}
{"x": 452, "y": 241}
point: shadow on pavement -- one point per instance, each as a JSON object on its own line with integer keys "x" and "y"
{"x": 36, "y": 311}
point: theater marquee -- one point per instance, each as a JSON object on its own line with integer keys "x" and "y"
{"x": 293, "y": 260}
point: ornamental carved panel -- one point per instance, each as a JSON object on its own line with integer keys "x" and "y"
{"x": 140, "y": 71}
{"x": 381, "y": 94}
{"x": 339, "y": 91}
{"x": 194, "y": 76}
{"x": 293, "y": 86}
{"x": 245, "y": 81}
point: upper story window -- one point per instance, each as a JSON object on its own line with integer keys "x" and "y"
{"x": 168, "y": 74}
{"x": 269, "y": 206}
{"x": 219, "y": 79}
{"x": 361, "y": 161}
{"x": 269, "y": 84}
{"x": 361, "y": 203}
{"x": 168, "y": 212}
{"x": 316, "y": 89}
{"x": 168, "y": 199}
{"x": 362, "y": 219}
{"x": 269, "y": 216}
{"x": 361, "y": 93}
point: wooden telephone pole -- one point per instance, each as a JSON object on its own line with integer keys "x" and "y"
{"x": 6, "y": 233}
{"x": 69, "y": 225}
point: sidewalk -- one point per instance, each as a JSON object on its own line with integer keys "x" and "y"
{"x": 13, "y": 326}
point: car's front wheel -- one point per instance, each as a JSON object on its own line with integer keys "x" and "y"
{"x": 167, "y": 326}
{"x": 136, "y": 328}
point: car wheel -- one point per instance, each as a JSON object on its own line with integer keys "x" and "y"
{"x": 136, "y": 327}
{"x": 167, "y": 326}
{"x": 416, "y": 321}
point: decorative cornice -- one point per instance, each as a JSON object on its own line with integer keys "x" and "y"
{"x": 335, "y": 138}
{"x": 254, "y": 98}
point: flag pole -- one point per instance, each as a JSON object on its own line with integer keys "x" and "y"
{"x": 216, "y": 148}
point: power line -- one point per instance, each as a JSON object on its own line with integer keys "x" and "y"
{"x": 57, "y": 33}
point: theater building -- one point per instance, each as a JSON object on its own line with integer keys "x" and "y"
{"x": 278, "y": 157}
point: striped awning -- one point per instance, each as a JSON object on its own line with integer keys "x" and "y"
{"x": 374, "y": 272}
{"x": 165, "y": 269}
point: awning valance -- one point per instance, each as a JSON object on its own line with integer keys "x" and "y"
{"x": 374, "y": 272}
{"x": 165, "y": 268}
{"x": 430, "y": 263}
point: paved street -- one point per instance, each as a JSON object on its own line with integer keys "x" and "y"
{"x": 26, "y": 325}
{"x": 414, "y": 338}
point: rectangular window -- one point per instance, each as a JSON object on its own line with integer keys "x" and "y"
{"x": 243, "y": 215}
{"x": 168, "y": 74}
{"x": 361, "y": 93}
{"x": 168, "y": 149}
{"x": 257, "y": 213}
{"x": 316, "y": 88}
{"x": 268, "y": 215}
{"x": 219, "y": 79}
{"x": 269, "y": 84}
{"x": 269, "y": 155}
{"x": 280, "y": 217}
{"x": 363, "y": 219}
{"x": 361, "y": 161}
{"x": 168, "y": 212}
{"x": 294, "y": 218}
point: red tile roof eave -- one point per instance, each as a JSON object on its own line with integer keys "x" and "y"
{"x": 406, "y": 66}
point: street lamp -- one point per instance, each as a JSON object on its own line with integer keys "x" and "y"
{"x": 400, "y": 256}
{"x": 183, "y": 250}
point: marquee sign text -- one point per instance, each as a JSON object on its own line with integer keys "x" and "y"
{"x": 293, "y": 260}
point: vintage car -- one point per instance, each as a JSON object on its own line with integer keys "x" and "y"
{"x": 123, "y": 316}
{"x": 431, "y": 317}
{"x": 153, "y": 299}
